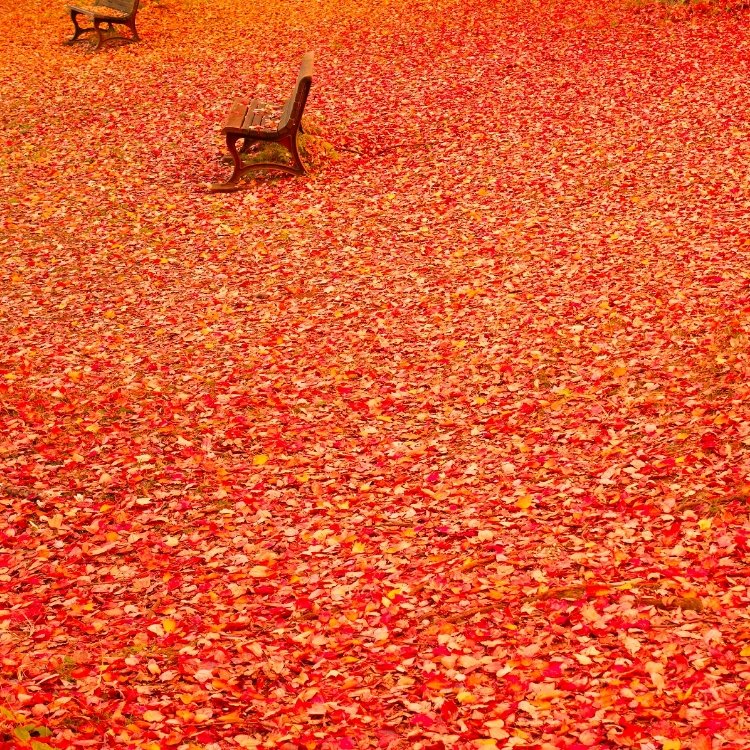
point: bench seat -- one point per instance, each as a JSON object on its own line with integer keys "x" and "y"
{"x": 256, "y": 115}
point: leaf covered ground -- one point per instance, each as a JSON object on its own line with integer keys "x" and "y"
{"x": 442, "y": 446}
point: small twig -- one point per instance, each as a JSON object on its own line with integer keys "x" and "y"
{"x": 468, "y": 613}
{"x": 382, "y": 150}
{"x": 709, "y": 621}
{"x": 479, "y": 561}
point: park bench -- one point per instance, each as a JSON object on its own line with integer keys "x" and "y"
{"x": 257, "y": 122}
{"x": 111, "y": 12}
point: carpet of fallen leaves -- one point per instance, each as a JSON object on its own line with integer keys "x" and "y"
{"x": 442, "y": 446}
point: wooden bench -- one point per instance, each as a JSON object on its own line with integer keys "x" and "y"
{"x": 256, "y": 122}
{"x": 111, "y": 12}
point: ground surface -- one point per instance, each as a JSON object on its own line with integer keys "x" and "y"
{"x": 445, "y": 445}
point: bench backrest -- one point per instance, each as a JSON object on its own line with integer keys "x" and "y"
{"x": 126, "y": 6}
{"x": 295, "y": 105}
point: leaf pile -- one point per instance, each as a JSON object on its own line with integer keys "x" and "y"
{"x": 443, "y": 446}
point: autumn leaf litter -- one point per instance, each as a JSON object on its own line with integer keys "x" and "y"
{"x": 444, "y": 445}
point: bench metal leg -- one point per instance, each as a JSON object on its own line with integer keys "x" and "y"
{"x": 131, "y": 25}
{"x": 247, "y": 144}
{"x": 289, "y": 142}
{"x": 100, "y": 27}
{"x": 99, "y": 37}
{"x": 231, "y": 183}
{"x": 78, "y": 30}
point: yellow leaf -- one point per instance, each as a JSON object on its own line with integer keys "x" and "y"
{"x": 152, "y": 716}
{"x": 745, "y": 651}
{"x": 260, "y": 459}
{"x": 259, "y": 571}
{"x": 246, "y": 741}
{"x": 109, "y": 314}
{"x": 619, "y": 371}
{"x": 671, "y": 745}
{"x": 232, "y": 718}
{"x": 704, "y": 524}
{"x": 74, "y": 375}
{"x": 589, "y": 613}
{"x": 523, "y": 502}
{"x": 464, "y": 696}
{"x": 380, "y": 635}
{"x": 358, "y": 548}
{"x": 168, "y": 625}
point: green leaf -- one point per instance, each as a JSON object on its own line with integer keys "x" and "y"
{"x": 22, "y": 733}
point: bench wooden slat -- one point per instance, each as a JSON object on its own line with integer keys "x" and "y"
{"x": 296, "y": 103}
{"x": 306, "y": 67}
{"x": 100, "y": 11}
{"x": 126, "y": 6}
{"x": 286, "y": 113}
{"x": 258, "y": 116}
{"x": 124, "y": 9}
{"x": 236, "y": 115}
{"x": 254, "y": 116}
